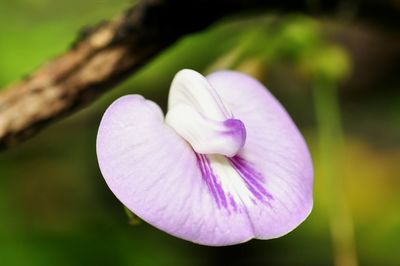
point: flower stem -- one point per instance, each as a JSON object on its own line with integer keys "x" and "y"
{"x": 330, "y": 142}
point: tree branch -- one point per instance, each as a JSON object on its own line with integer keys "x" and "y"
{"x": 107, "y": 54}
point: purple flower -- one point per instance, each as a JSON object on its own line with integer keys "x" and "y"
{"x": 226, "y": 164}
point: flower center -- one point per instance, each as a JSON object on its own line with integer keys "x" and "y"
{"x": 197, "y": 114}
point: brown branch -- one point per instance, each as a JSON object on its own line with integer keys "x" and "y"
{"x": 105, "y": 55}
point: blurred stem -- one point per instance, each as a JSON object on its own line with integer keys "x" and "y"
{"x": 330, "y": 141}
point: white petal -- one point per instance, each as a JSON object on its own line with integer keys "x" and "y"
{"x": 191, "y": 88}
{"x": 207, "y": 136}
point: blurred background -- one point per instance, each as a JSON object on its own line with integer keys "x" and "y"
{"x": 338, "y": 78}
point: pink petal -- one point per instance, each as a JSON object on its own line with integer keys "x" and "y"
{"x": 275, "y": 149}
{"x": 156, "y": 174}
{"x": 265, "y": 191}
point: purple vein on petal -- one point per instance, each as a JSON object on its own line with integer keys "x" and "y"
{"x": 217, "y": 184}
{"x": 252, "y": 178}
{"x": 207, "y": 176}
{"x": 232, "y": 202}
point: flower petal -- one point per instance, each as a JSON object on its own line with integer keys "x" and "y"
{"x": 274, "y": 148}
{"x": 205, "y": 135}
{"x": 157, "y": 175}
{"x": 198, "y": 114}
{"x": 264, "y": 191}
{"x": 191, "y": 88}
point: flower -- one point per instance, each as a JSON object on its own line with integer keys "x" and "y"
{"x": 226, "y": 164}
